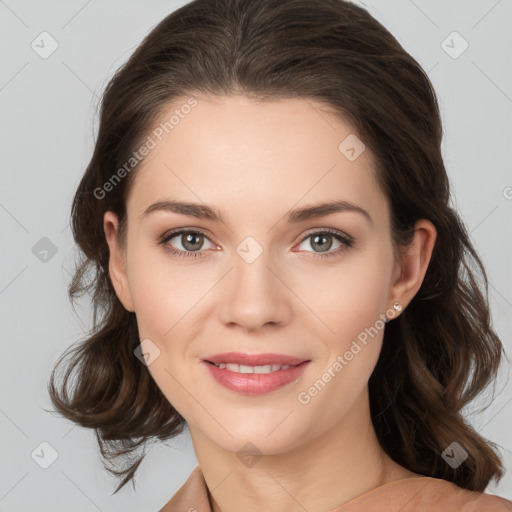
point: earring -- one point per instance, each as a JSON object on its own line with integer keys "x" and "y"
{"x": 397, "y": 307}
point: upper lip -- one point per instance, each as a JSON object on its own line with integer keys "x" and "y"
{"x": 254, "y": 359}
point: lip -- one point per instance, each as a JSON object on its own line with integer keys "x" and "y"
{"x": 254, "y": 359}
{"x": 255, "y": 383}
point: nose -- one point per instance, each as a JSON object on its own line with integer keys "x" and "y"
{"x": 254, "y": 295}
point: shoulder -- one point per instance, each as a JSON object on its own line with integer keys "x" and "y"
{"x": 427, "y": 491}
{"x": 424, "y": 494}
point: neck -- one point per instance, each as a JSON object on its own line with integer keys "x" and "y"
{"x": 319, "y": 476}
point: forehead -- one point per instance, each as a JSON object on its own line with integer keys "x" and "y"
{"x": 255, "y": 158}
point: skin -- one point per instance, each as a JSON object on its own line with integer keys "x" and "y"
{"x": 255, "y": 162}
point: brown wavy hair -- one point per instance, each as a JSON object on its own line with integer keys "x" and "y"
{"x": 436, "y": 357}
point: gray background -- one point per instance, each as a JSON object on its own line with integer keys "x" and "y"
{"x": 47, "y": 133}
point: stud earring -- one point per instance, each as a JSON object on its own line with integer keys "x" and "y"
{"x": 397, "y": 307}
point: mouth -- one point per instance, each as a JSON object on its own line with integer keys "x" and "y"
{"x": 254, "y": 360}
{"x": 255, "y": 374}
{"x": 261, "y": 369}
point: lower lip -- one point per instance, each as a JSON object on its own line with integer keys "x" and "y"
{"x": 255, "y": 383}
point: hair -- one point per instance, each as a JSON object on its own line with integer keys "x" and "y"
{"x": 436, "y": 357}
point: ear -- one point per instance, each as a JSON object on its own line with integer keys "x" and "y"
{"x": 117, "y": 261}
{"x": 414, "y": 264}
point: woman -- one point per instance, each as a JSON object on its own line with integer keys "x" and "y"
{"x": 276, "y": 263}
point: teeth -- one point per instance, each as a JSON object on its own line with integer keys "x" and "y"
{"x": 266, "y": 368}
{"x": 242, "y": 368}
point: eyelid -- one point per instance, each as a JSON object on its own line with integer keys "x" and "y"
{"x": 331, "y": 231}
{"x": 172, "y": 233}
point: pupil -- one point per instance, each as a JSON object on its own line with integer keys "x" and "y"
{"x": 189, "y": 244}
{"x": 323, "y": 238}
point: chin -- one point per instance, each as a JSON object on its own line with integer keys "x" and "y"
{"x": 256, "y": 440}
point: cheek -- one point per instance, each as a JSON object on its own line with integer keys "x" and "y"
{"x": 164, "y": 292}
{"x": 363, "y": 303}
{"x": 347, "y": 298}
{"x": 350, "y": 301}
{"x": 354, "y": 312}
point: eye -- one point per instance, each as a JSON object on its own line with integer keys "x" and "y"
{"x": 322, "y": 242}
{"x": 187, "y": 244}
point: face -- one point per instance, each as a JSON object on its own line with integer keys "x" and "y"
{"x": 259, "y": 281}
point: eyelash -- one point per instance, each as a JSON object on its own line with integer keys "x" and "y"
{"x": 346, "y": 240}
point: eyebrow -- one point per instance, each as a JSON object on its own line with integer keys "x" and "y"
{"x": 203, "y": 211}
